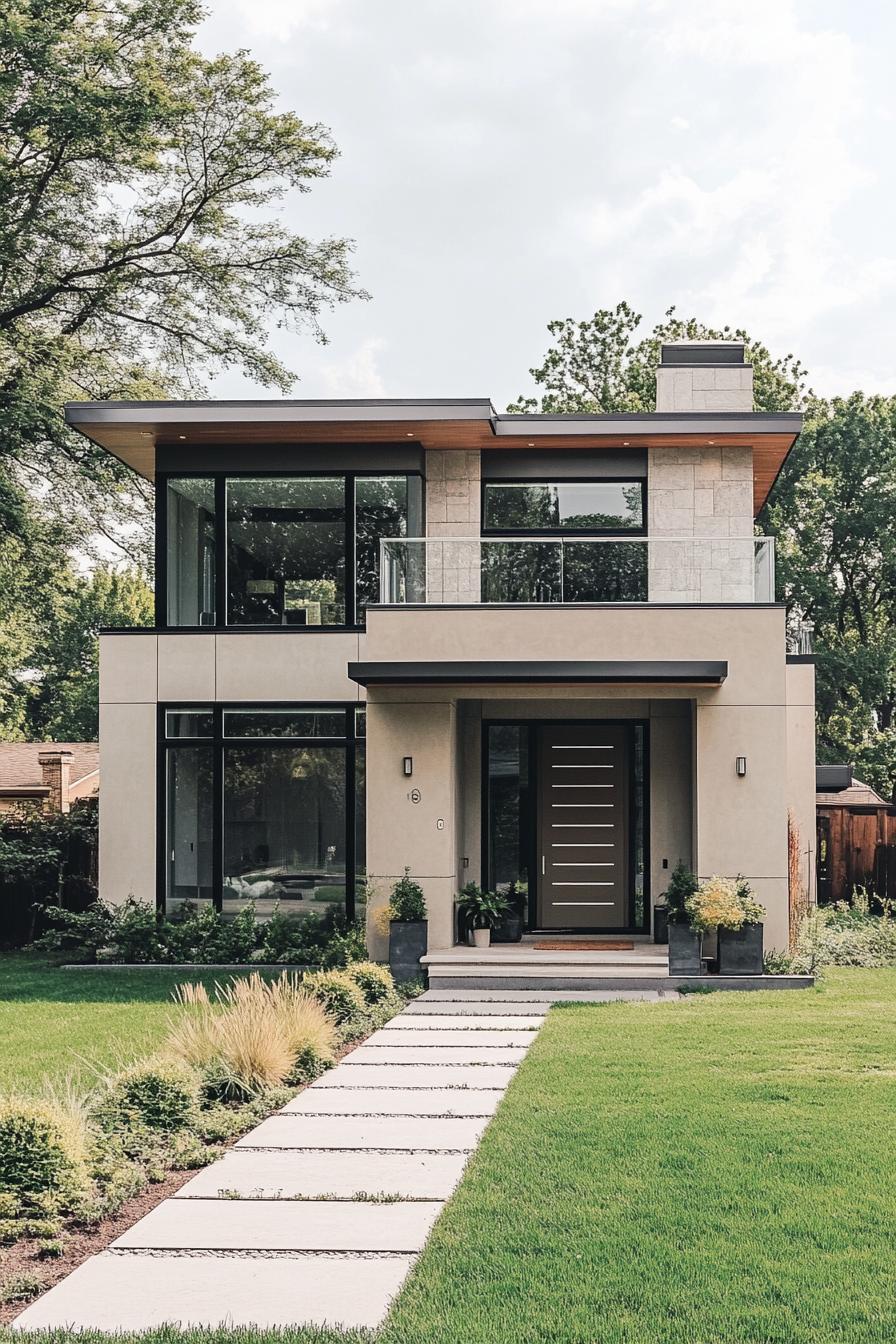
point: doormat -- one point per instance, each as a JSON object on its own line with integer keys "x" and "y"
{"x": 584, "y": 945}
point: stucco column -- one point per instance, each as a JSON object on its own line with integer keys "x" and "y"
{"x": 411, "y": 820}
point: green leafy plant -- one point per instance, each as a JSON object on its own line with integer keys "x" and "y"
{"x": 375, "y": 982}
{"x": 43, "y": 1148}
{"x": 338, "y": 993}
{"x": 723, "y": 903}
{"x": 161, "y": 1094}
{"x": 21, "y": 1288}
{"x": 682, "y": 886}
{"x": 481, "y": 909}
{"x": 407, "y": 902}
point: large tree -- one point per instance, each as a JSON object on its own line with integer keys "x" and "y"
{"x": 831, "y": 510}
{"x": 139, "y": 250}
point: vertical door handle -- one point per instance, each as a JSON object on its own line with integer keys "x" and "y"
{"x": 542, "y": 865}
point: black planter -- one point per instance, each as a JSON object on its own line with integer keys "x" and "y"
{"x": 740, "y": 950}
{"x": 661, "y": 924}
{"x": 684, "y": 950}
{"x": 509, "y": 929}
{"x": 407, "y": 944}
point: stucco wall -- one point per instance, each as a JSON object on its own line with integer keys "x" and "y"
{"x": 128, "y": 698}
{"x": 800, "y": 692}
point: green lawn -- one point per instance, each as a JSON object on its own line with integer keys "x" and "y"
{"x": 715, "y": 1171}
{"x": 56, "y": 1024}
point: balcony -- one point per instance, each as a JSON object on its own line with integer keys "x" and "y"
{"x": 524, "y": 571}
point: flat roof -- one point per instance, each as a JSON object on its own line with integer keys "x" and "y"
{"x": 132, "y": 430}
{"x": 504, "y": 672}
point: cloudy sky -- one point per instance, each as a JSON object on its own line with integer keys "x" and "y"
{"x": 504, "y": 162}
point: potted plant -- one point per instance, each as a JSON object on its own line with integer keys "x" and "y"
{"x": 684, "y": 938}
{"x": 407, "y": 928}
{"x": 509, "y": 929}
{"x": 481, "y": 911}
{"x": 727, "y": 904}
{"x": 741, "y": 949}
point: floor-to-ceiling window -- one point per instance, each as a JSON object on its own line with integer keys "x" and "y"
{"x": 264, "y": 804}
{"x": 279, "y": 550}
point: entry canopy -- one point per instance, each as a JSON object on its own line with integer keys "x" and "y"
{"x": 503, "y": 672}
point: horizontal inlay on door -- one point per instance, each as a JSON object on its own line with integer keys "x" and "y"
{"x": 583, "y": 826}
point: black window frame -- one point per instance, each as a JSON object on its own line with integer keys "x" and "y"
{"x": 219, "y": 480}
{"x": 531, "y": 819}
{"x": 560, "y": 533}
{"x": 352, "y": 741}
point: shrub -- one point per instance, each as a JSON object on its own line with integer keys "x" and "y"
{"x": 302, "y": 1016}
{"x": 21, "y": 1288}
{"x": 338, "y": 994}
{"x": 161, "y": 1094}
{"x": 723, "y": 903}
{"x": 43, "y": 1146}
{"x": 840, "y": 936}
{"x": 407, "y": 901}
{"x": 682, "y": 886}
{"x": 375, "y": 982}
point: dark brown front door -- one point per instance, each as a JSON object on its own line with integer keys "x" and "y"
{"x": 583, "y": 821}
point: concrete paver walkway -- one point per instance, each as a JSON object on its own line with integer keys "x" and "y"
{"x": 318, "y": 1215}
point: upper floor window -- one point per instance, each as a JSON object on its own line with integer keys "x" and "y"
{"x": 563, "y": 506}
{"x": 280, "y": 550}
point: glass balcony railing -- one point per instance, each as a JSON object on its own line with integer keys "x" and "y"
{"x": 439, "y": 571}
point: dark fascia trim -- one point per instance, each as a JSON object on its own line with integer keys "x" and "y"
{"x": 232, "y": 630}
{"x": 274, "y": 410}
{"x": 655, "y": 422}
{"x": 799, "y": 658}
{"x": 517, "y": 673}
{"x": 575, "y": 606}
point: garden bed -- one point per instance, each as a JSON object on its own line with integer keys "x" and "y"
{"x": 74, "y": 1175}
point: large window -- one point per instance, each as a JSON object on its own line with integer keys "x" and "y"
{"x": 563, "y": 506}
{"x": 190, "y": 551}
{"x": 279, "y": 550}
{"x": 263, "y": 804}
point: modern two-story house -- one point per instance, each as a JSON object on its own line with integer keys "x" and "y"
{"x": 541, "y": 650}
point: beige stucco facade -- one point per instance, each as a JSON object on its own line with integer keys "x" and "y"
{"x": 704, "y": 604}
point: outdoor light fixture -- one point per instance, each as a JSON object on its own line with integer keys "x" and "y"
{"x": 407, "y": 765}
{"x": 740, "y": 765}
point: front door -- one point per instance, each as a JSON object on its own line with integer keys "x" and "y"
{"x": 583, "y": 826}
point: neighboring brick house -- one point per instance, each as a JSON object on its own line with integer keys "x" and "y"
{"x": 49, "y": 774}
{"x": 531, "y": 649}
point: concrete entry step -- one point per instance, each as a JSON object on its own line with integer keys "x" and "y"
{"x": 638, "y": 985}
{"x": 409, "y": 1133}
{"x": 476, "y": 1007}
{"x": 285, "y": 1174}
{"x": 506, "y": 998}
{"x": 282, "y": 1225}
{"x": 394, "y": 1101}
{"x": 118, "y": 1291}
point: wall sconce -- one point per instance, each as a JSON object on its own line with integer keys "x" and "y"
{"x": 740, "y": 765}
{"x": 407, "y": 765}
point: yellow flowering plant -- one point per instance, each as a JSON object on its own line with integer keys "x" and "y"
{"x": 723, "y": 903}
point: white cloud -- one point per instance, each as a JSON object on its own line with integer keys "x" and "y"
{"x": 357, "y": 375}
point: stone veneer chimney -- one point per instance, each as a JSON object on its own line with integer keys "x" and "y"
{"x": 55, "y": 768}
{"x": 704, "y": 376}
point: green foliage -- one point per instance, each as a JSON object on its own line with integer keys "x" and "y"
{"x": 481, "y": 909}
{"x": 310, "y": 1062}
{"x": 832, "y": 515}
{"x": 407, "y": 901}
{"x": 42, "y": 1148}
{"x": 723, "y": 903}
{"x": 43, "y": 856}
{"x": 160, "y": 1094}
{"x": 374, "y": 981}
{"x": 682, "y": 885}
{"x": 20, "y": 1288}
{"x": 599, "y": 365}
{"x": 841, "y": 936}
{"x": 338, "y": 994}
{"x": 133, "y": 933}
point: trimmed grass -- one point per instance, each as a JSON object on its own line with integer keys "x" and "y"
{"x": 714, "y": 1171}
{"x": 58, "y": 1024}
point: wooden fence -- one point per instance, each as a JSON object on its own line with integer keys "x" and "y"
{"x": 856, "y": 848}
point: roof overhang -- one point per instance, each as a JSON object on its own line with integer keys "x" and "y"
{"x": 514, "y": 673}
{"x": 132, "y": 430}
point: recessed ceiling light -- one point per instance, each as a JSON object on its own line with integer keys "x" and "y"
{"x": 409, "y": 435}
{"x": 530, "y": 445}
{"x": 625, "y": 443}
{"x": 181, "y": 436}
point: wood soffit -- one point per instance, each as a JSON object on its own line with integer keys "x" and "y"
{"x": 135, "y": 443}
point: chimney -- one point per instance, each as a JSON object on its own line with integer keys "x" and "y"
{"x": 704, "y": 376}
{"x": 55, "y": 768}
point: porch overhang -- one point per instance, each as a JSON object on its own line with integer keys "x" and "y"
{"x": 502, "y": 672}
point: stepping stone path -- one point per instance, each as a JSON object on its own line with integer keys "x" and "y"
{"x": 319, "y": 1213}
